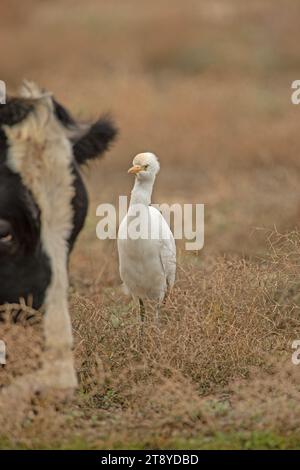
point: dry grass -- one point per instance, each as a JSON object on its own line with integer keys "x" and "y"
{"x": 207, "y": 87}
{"x": 220, "y": 359}
{"x": 21, "y": 328}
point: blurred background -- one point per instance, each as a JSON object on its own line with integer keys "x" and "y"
{"x": 204, "y": 84}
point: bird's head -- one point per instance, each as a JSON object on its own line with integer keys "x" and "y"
{"x": 145, "y": 166}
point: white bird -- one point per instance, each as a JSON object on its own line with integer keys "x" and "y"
{"x": 147, "y": 257}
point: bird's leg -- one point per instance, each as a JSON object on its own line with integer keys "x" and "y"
{"x": 157, "y": 312}
{"x": 142, "y": 310}
{"x": 167, "y": 295}
{"x": 157, "y": 315}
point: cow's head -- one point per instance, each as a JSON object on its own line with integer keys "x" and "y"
{"x": 43, "y": 201}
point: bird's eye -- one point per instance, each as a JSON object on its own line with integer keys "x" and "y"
{"x": 146, "y": 167}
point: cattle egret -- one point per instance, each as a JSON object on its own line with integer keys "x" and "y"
{"x": 146, "y": 246}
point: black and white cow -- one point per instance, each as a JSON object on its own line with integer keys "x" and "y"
{"x": 43, "y": 205}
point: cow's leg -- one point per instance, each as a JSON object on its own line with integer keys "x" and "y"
{"x": 58, "y": 367}
{"x": 58, "y": 363}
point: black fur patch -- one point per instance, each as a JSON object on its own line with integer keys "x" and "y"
{"x": 15, "y": 110}
{"x": 24, "y": 267}
{"x": 96, "y": 140}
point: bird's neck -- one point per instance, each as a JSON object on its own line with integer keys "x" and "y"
{"x": 142, "y": 192}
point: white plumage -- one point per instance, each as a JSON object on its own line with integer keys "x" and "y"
{"x": 146, "y": 246}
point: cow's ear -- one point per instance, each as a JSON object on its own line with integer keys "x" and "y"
{"x": 89, "y": 140}
{"x": 14, "y": 111}
{"x": 95, "y": 139}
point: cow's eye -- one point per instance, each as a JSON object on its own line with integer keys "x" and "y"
{"x": 6, "y": 233}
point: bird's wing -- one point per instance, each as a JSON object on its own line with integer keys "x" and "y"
{"x": 168, "y": 259}
{"x": 167, "y": 246}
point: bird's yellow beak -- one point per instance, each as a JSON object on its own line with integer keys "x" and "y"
{"x": 135, "y": 169}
